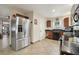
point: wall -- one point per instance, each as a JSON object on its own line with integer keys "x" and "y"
{"x": 42, "y": 27}
{"x": 60, "y": 23}
{"x": 61, "y": 20}
{"x": 39, "y": 28}
{"x": 30, "y": 15}
{"x": 53, "y": 20}
{"x": 37, "y": 31}
{"x": 4, "y": 12}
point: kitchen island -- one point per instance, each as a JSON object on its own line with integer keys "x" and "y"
{"x": 54, "y": 34}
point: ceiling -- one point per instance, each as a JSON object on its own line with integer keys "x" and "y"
{"x": 45, "y": 9}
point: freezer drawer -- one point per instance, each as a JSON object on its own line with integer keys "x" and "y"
{"x": 21, "y": 43}
{"x": 18, "y": 44}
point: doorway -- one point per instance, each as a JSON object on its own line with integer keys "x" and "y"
{"x": 4, "y": 33}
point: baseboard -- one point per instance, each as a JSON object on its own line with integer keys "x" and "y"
{"x": 35, "y": 42}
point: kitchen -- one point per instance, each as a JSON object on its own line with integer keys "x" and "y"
{"x": 45, "y": 26}
{"x": 57, "y": 24}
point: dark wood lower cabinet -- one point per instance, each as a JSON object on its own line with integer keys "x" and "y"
{"x": 50, "y": 34}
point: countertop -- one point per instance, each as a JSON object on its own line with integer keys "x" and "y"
{"x": 55, "y": 30}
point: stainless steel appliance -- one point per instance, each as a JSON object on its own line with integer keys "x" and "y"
{"x": 68, "y": 31}
{"x": 20, "y": 37}
{"x": 70, "y": 44}
{"x": 75, "y": 14}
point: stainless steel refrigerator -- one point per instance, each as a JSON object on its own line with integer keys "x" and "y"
{"x": 20, "y": 27}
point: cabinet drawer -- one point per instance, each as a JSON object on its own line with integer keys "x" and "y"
{"x": 49, "y": 33}
{"x": 50, "y": 36}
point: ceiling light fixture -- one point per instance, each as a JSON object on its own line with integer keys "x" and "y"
{"x": 53, "y": 10}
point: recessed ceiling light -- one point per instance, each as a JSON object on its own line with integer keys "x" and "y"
{"x": 70, "y": 4}
{"x": 53, "y": 10}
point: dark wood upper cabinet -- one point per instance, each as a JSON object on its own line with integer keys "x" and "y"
{"x": 48, "y": 23}
{"x": 66, "y": 22}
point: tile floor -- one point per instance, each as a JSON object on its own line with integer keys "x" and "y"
{"x": 43, "y": 47}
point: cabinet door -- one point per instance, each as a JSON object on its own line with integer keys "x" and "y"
{"x": 49, "y": 34}
{"x": 48, "y": 23}
{"x": 66, "y": 22}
